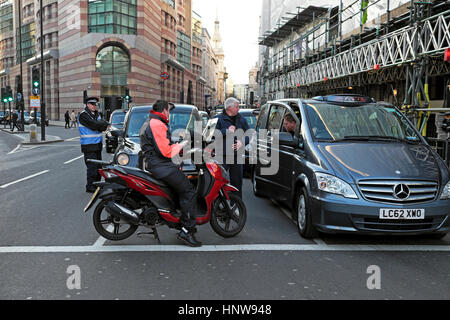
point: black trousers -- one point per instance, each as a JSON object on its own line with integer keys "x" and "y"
{"x": 236, "y": 176}
{"x": 92, "y": 169}
{"x": 188, "y": 198}
{"x": 15, "y": 125}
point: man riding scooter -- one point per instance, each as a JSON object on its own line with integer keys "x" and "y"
{"x": 158, "y": 150}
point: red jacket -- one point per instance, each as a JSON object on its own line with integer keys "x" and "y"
{"x": 157, "y": 146}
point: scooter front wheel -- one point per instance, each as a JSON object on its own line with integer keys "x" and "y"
{"x": 228, "y": 216}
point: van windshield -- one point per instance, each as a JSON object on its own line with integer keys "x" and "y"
{"x": 368, "y": 122}
{"x": 179, "y": 119}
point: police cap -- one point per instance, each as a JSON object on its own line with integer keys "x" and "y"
{"x": 92, "y": 100}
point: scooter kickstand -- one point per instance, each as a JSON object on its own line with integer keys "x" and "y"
{"x": 153, "y": 233}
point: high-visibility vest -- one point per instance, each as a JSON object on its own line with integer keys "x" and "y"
{"x": 88, "y": 136}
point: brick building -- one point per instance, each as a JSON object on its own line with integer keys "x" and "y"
{"x": 104, "y": 47}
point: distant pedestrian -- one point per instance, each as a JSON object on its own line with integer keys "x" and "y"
{"x": 73, "y": 119}
{"x": 67, "y": 118}
{"x": 14, "y": 118}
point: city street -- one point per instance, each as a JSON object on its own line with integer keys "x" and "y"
{"x": 44, "y": 235}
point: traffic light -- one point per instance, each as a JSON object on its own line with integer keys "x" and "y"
{"x": 4, "y": 98}
{"x": 8, "y": 95}
{"x": 446, "y": 123}
{"x": 127, "y": 95}
{"x": 36, "y": 82}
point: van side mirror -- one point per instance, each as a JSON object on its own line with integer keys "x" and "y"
{"x": 117, "y": 133}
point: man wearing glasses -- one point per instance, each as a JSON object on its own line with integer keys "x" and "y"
{"x": 91, "y": 126}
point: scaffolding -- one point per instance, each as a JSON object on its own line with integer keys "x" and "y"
{"x": 424, "y": 37}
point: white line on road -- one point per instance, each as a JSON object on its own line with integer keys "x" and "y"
{"x": 11, "y": 152}
{"x": 72, "y": 139}
{"x": 226, "y": 248}
{"x": 70, "y": 161}
{"x": 23, "y": 179}
{"x": 101, "y": 241}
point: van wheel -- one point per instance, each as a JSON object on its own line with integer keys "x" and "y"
{"x": 255, "y": 185}
{"x": 302, "y": 215}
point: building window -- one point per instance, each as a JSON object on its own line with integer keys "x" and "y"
{"x": 113, "y": 63}
{"x": 184, "y": 50}
{"x": 6, "y": 18}
{"x": 170, "y": 3}
{"x": 112, "y": 16}
{"x": 28, "y": 42}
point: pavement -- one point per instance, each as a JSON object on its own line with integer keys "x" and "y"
{"x": 25, "y": 136}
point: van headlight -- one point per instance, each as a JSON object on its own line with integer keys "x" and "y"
{"x": 446, "y": 193}
{"x": 123, "y": 159}
{"x": 332, "y": 184}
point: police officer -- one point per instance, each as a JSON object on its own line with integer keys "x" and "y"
{"x": 91, "y": 126}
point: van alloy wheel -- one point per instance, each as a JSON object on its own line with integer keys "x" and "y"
{"x": 302, "y": 215}
{"x": 301, "y": 212}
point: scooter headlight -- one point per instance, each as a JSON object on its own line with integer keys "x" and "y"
{"x": 446, "y": 193}
{"x": 123, "y": 159}
{"x": 332, "y": 184}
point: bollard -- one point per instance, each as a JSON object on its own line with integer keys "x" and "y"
{"x": 33, "y": 133}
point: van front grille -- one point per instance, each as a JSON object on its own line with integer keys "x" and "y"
{"x": 398, "y": 191}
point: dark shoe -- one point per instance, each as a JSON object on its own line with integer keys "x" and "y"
{"x": 189, "y": 238}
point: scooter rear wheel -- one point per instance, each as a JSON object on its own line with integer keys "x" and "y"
{"x": 228, "y": 216}
{"x": 109, "y": 227}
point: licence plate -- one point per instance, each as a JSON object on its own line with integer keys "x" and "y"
{"x": 94, "y": 197}
{"x": 402, "y": 214}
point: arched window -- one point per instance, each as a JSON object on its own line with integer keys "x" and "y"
{"x": 113, "y": 63}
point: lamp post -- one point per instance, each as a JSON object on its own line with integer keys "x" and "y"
{"x": 19, "y": 92}
{"x": 225, "y": 77}
{"x": 43, "y": 114}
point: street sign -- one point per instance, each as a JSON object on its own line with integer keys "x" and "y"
{"x": 19, "y": 97}
{"x": 164, "y": 75}
{"x": 35, "y": 101}
{"x": 36, "y": 91}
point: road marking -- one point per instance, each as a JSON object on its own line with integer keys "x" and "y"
{"x": 70, "y": 161}
{"x": 72, "y": 139}
{"x": 23, "y": 179}
{"x": 101, "y": 241}
{"x": 11, "y": 152}
{"x": 227, "y": 248}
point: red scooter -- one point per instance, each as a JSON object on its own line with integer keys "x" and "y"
{"x": 131, "y": 198}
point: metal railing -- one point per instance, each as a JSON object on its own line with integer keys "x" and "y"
{"x": 441, "y": 146}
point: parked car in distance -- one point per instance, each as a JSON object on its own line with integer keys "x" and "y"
{"x": 117, "y": 121}
{"x": 352, "y": 166}
{"x": 2, "y": 117}
{"x": 38, "y": 122}
{"x": 128, "y": 150}
{"x": 26, "y": 117}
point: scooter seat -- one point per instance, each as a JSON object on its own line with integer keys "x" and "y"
{"x": 145, "y": 175}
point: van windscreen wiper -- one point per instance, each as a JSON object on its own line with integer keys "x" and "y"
{"x": 377, "y": 138}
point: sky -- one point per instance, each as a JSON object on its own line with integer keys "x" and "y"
{"x": 239, "y": 28}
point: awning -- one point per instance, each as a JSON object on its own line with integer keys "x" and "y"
{"x": 165, "y": 58}
{"x": 50, "y": 54}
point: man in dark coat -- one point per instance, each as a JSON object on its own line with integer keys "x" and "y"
{"x": 228, "y": 122}
{"x": 158, "y": 149}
